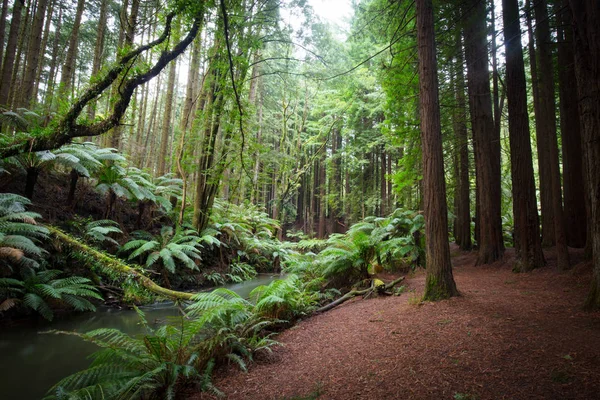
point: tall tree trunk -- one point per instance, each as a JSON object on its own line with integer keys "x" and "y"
{"x": 3, "y": 14}
{"x": 570, "y": 127}
{"x": 547, "y": 126}
{"x": 383, "y": 185}
{"x": 543, "y": 143}
{"x": 527, "y": 236}
{"x": 495, "y": 77}
{"x": 69, "y": 66}
{"x": 33, "y": 56}
{"x": 9, "y": 53}
{"x": 49, "y": 94}
{"x": 19, "y": 70}
{"x": 166, "y": 121}
{"x": 44, "y": 45}
{"x": 463, "y": 212}
{"x": 439, "y": 281}
{"x": 99, "y": 52}
{"x": 586, "y": 14}
{"x": 487, "y": 165}
{"x": 126, "y": 37}
{"x": 321, "y": 229}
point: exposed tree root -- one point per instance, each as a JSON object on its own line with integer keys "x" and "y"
{"x": 117, "y": 266}
{"x": 354, "y": 293}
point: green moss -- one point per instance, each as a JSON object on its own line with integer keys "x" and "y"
{"x": 436, "y": 290}
{"x": 114, "y": 266}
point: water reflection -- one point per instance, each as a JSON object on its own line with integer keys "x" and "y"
{"x": 31, "y": 362}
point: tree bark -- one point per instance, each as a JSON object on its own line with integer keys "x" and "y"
{"x": 42, "y": 60}
{"x": 166, "y": 122}
{"x": 570, "y": 127}
{"x": 463, "y": 215}
{"x": 49, "y": 97}
{"x": 439, "y": 281}
{"x": 542, "y": 141}
{"x": 98, "y": 51}
{"x": 485, "y": 142}
{"x": 3, "y": 14}
{"x": 527, "y": 236}
{"x": 69, "y": 66}
{"x": 586, "y": 14}
{"x": 33, "y": 56}
{"x": 547, "y": 126}
{"x": 9, "y": 53}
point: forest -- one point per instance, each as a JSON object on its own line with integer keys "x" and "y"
{"x": 299, "y": 199}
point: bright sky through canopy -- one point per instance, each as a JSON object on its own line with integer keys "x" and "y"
{"x": 336, "y": 12}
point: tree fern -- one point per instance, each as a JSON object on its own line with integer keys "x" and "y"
{"x": 20, "y": 236}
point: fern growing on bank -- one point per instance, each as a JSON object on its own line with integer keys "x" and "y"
{"x": 20, "y": 235}
{"x": 41, "y": 291}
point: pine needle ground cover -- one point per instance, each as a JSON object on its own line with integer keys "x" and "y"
{"x": 507, "y": 336}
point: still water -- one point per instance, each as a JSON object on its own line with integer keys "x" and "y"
{"x": 30, "y": 362}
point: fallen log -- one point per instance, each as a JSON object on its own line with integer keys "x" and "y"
{"x": 354, "y": 293}
{"x": 117, "y": 266}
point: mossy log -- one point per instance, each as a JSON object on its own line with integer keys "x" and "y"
{"x": 354, "y": 293}
{"x": 117, "y": 266}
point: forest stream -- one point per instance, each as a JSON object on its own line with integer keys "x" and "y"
{"x": 54, "y": 356}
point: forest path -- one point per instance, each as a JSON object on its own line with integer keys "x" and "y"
{"x": 509, "y": 336}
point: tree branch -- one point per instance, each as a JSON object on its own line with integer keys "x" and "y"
{"x": 67, "y": 128}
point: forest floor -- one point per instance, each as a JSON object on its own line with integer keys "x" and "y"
{"x": 508, "y": 336}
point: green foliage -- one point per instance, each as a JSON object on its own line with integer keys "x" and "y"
{"x": 98, "y": 232}
{"x": 40, "y": 291}
{"x": 220, "y": 326}
{"x": 173, "y": 246}
{"x": 248, "y": 232}
{"x": 240, "y": 271}
{"x": 20, "y": 236}
{"x": 284, "y": 299}
{"x": 152, "y": 366}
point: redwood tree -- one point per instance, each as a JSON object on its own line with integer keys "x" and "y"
{"x": 527, "y": 241}
{"x": 439, "y": 282}
{"x": 586, "y": 14}
{"x": 487, "y": 160}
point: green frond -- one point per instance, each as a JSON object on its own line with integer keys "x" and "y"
{"x": 22, "y": 243}
{"x": 167, "y": 259}
{"x": 38, "y": 304}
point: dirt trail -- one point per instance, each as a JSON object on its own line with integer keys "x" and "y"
{"x": 509, "y": 336}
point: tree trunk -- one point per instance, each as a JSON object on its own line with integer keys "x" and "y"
{"x": 322, "y": 231}
{"x": 487, "y": 165}
{"x": 3, "y": 14}
{"x": 49, "y": 97}
{"x": 72, "y": 186}
{"x": 30, "y": 181}
{"x": 586, "y": 14}
{"x": 463, "y": 215}
{"x": 547, "y": 126}
{"x": 33, "y": 56}
{"x": 527, "y": 236}
{"x": 439, "y": 281}
{"x": 69, "y": 66}
{"x": 543, "y": 144}
{"x": 570, "y": 127}
{"x": 17, "y": 73}
{"x": 44, "y": 45}
{"x": 166, "y": 122}
{"x": 9, "y": 53}
{"x": 98, "y": 51}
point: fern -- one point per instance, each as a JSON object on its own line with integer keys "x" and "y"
{"x": 172, "y": 247}
{"x": 20, "y": 235}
